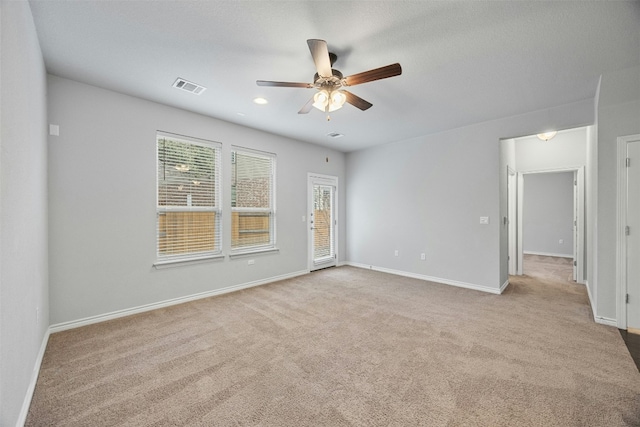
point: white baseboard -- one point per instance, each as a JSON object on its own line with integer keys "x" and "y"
{"x": 606, "y": 321}
{"x": 598, "y": 319}
{"x": 24, "y": 411}
{"x": 429, "y": 278}
{"x": 153, "y": 306}
{"x": 548, "y": 254}
{"x": 504, "y": 286}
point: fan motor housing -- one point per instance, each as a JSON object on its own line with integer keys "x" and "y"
{"x": 334, "y": 81}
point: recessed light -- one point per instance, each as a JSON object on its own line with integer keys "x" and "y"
{"x": 260, "y": 101}
{"x": 334, "y": 135}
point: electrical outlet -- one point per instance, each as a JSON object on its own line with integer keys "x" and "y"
{"x": 396, "y": 253}
{"x": 484, "y": 220}
{"x": 251, "y": 262}
{"x": 423, "y": 257}
{"x": 561, "y": 241}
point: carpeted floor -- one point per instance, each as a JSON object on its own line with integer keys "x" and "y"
{"x": 347, "y": 347}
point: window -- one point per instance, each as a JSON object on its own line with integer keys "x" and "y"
{"x": 188, "y": 212}
{"x": 252, "y": 200}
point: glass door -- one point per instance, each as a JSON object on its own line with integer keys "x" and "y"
{"x": 322, "y": 223}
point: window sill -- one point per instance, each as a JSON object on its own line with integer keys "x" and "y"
{"x": 253, "y": 252}
{"x": 187, "y": 261}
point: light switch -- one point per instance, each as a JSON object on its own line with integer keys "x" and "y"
{"x": 54, "y": 130}
{"x": 484, "y": 220}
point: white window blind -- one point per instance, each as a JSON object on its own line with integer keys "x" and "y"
{"x": 252, "y": 200}
{"x": 188, "y": 212}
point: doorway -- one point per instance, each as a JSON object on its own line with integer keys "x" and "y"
{"x": 628, "y": 234}
{"x": 576, "y": 196}
{"x": 323, "y": 221}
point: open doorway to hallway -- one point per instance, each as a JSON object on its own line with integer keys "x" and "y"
{"x": 549, "y": 220}
{"x": 543, "y": 200}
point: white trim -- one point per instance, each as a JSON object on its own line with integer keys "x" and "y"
{"x": 591, "y": 300}
{"x": 244, "y": 253}
{"x": 519, "y": 221}
{"x": 552, "y": 170}
{"x": 621, "y": 240}
{"x": 548, "y": 254}
{"x": 606, "y": 321}
{"x": 504, "y": 286}
{"x": 26, "y": 403}
{"x": 153, "y": 306}
{"x": 512, "y": 230}
{"x": 177, "y": 262}
{"x": 598, "y": 319}
{"x": 456, "y": 283}
{"x": 621, "y": 247}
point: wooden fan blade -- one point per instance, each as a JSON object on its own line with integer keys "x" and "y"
{"x": 375, "y": 74}
{"x": 320, "y": 54}
{"x": 356, "y": 101}
{"x": 282, "y": 84}
{"x": 307, "y": 107}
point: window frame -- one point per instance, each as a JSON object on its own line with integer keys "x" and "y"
{"x": 271, "y": 211}
{"x": 191, "y": 257}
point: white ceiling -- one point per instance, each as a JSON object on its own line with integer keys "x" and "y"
{"x": 463, "y": 62}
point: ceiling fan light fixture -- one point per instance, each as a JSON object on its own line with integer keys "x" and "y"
{"x": 321, "y": 99}
{"x": 545, "y": 136}
{"x": 327, "y": 101}
{"x": 338, "y": 99}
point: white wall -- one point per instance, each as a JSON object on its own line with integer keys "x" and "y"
{"x": 102, "y": 202}
{"x": 548, "y": 214}
{"x": 427, "y": 195}
{"x": 23, "y": 208}
{"x": 567, "y": 149}
{"x": 507, "y": 162}
{"x": 618, "y": 115}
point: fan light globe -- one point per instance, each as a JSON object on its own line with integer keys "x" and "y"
{"x": 329, "y": 101}
{"x": 321, "y": 99}
{"x": 338, "y": 99}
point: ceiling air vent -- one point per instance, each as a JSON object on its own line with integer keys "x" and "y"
{"x": 189, "y": 86}
{"x": 334, "y": 135}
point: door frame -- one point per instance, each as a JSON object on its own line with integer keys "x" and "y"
{"x": 512, "y": 210}
{"x": 621, "y": 241}
{"x": 579, "y": 187}
{"x": 316, "y": 178}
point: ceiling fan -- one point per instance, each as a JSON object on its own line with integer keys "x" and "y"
{"x": 330, "y": 83}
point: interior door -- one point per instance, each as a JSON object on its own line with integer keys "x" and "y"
{"x": 633, "y": 236}
{"x": 322, "y": 222}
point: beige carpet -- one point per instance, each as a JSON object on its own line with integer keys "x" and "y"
{"x": 347, "y": 347}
